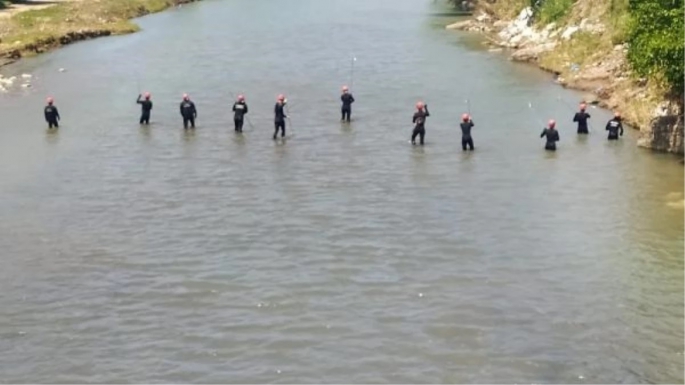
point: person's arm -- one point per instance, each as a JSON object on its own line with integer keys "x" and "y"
{"x": 45, "y": 112}
{"x": 471, "y": 122}
{"x": 57, "y": 114}
{"x": 575, "y": 117}
{"x": 351, "y": 99}
{"x": 413, "y": 120}
{"x": 544, "y": 131}
{"x": 556, "y": 135}
{"x": 194, "y": 110}
{"x": 150, "y": 106}
{"x": 245, "y": 112}
{"x": 181, "y": 108}
{"x": 607, "y": 126}
{"x": 138, "y": 100}
{"x": 620, "y": 127}
{"x": 425, "y": 108}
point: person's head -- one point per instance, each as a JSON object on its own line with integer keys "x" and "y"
{"x": 50, "y": 100}
{"x": 147, "y": 96}
{"x": 465, "y": 117}
{"x": 241, "y": 98}
{"x": 186, "y": 97}
{"x": 583, "y": 106}
{"x": 617, "y": 115}
{"x": 420, "y": 105}
{"x": 345, "y": 89}
{"x": 551, "y": 124}
{"x": 280, "y": 98}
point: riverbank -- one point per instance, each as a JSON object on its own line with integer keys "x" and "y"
{"x": 36, "y": 29}
{"x": 586, "y": 50}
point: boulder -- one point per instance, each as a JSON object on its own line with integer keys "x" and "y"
{"x": 462, "y": 25}
{"x": 664, "y": 133}
{"x": 26, "y": 76}
{"x": 568, "y": 32}
{"x": 531, "y": 53}
{"x": 483, "y": 17}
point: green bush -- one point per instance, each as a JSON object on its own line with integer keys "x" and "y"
{"x": 656, "y": 41}
{"x": 548, "y": 11}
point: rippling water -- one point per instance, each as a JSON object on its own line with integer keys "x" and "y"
{"x": 342, "y": 254}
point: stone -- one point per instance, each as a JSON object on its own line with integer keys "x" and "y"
{"x": 483, "y": 17}
{"x": 62, "y": 70}
{"x": 664, "y": 133}
{"x": 568, "y": 32}
{"x": 532, "y": 53}
{"x": 26, "y": 85}
{"x": 461, "y": 25}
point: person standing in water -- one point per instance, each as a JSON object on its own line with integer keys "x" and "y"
{"x": 615, "y": 127}
{"x": 552, "y": 136}
{"x": 347, "y": 100}
{"x": 280, "y": 116}
{"x": 419, "y": 121}
{"x": 51, "y": 114}
{"x": 239, "y": 112}
{"x": 581, "y": 117}
{"x": 146, "y": 107}
{"x": 466, "y": 126}
{"x": 188, "y": 112}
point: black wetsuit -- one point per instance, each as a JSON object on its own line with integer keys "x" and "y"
{"x": 279, "y": 119}
{"x": 552, "y": 138}
{"x": 189, "y": 113}
{"x": 615, "y": 128}
{"x": 582, "y": 117}
{"x": 239, "y": 111}
{"x": 419, "y": 121}
{"x": 146, "y": 107}
{"x": 466, "y": 139}
{"x": 52, "y": 116}
{"x": 347, "y": 100}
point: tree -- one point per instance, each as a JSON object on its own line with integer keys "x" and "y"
{"x": 655, "y": 41}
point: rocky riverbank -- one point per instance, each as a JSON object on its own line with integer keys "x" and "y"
{"x": 34, "y": 31}
{"x": 579, "y": 53}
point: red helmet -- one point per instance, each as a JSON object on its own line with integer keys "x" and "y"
{"x": 345, "y": 89}
{"x": 241, "y": 98}
{"x": 147, "y": 95}
{"x": 419, "y": 105}
{"x": 465, "y": 117}
{"x": 617, "y": 114}
{"x": 583, "y": 106}
{"x": 281, "y": 97}
{"x": 185, "y": 97}
{"x": 551, "y": 123}
{"x": 50, "y": 100}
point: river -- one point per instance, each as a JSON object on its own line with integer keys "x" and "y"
{"x": 342, "y": 254}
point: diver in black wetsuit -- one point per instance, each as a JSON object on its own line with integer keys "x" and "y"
{"x": 419, "y": 121}
{"x": 188, "y": 112}
{"x": 280, "y": 116}
{"x": 552, "y": 136}
{"x": 615, "y": 127}
{"x": 466, "y": 126}
{"x": 581, "y": 117}
{"x": 51, "y": 114}
{"x": 146, "y": 107}
{"x": 239, "y": 112}
{"x": 347, "y": 100}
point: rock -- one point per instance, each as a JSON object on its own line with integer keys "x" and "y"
{"x": 664, "y": 133}
{"x": 62, "y": 70}
{"x": 661, "y": 110}
{"x": 568, "y": 32}
{"x": 618, "y": 47}
{"x": 531, "y": 53}
{"x": 461, "y": 25}
{"x": 483, "y": 17}
{"x": 499, "y": 24}
{"x": 3, "y": 89}
{"x": 550, "y": 27}
{"x": 26, "y": 85}
{"x": 26, "y": 76}
{"x": 590, "y": 99}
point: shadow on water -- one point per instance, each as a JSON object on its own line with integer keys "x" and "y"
{"x": 52, "y": 135}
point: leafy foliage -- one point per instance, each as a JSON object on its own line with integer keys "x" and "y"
{"x": 655, "y": 38}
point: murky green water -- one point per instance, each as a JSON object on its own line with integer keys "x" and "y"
{"x": 342, "y": 254}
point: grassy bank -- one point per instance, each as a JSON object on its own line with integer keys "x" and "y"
{"x": 35, "y": 31}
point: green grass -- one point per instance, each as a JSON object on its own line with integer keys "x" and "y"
{"x": 33, "y": 28}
